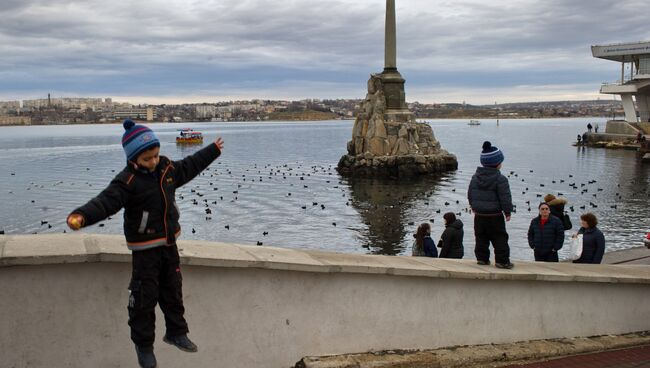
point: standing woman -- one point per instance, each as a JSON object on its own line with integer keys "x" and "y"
{"x": 451, "y": 240}
{"x": 593, "y": 240}
{"x": 546, "y": 235}
{"x": 423, "y": 246}
{"x": 557, "y": 209}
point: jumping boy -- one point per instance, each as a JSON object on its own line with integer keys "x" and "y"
{"x": 491, "y": 201}
{"x": 146, "y": 189}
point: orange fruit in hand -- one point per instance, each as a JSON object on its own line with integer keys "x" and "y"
{"x": 74, "y": 222}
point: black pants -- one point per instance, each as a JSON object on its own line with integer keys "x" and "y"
{"x": 546, "y": 256}
{"x": 156, "y": 278}
{"x": 491, "y": 229}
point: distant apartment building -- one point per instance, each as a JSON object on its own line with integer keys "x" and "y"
{"x": 68, "y": 103}
{"x": 15, "y": 120}
{"x": 245, "y": 107}
{"x": 6, "y": 106}
{"x": 145, "y": 113}
{"x": 206, "y": 111}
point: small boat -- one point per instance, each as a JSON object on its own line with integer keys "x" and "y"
{"x": 474, "y": 122}
{"x": 188, "y": 136}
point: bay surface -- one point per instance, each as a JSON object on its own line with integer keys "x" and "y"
{"x": 270, "y": 170}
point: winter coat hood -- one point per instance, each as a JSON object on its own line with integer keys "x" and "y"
{"x": 557, "y": 202}
{"x": 456, "y": 225}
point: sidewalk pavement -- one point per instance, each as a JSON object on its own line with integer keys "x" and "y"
{"x": 638, "y": 357}
{"x": 633, "y": 256}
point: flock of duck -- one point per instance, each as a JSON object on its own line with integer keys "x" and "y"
{"x": 220, "y": 184}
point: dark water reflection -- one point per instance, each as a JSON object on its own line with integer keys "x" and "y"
{"x": 384, "y": 206}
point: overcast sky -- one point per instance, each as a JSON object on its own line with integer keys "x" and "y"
{"x": 170, "y": 51}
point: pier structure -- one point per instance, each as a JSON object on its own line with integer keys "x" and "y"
{"x": 633, "y": 87}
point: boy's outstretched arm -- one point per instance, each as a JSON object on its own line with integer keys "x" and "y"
{"x": 107, "y": 203}
{"x": 191, "y": 166}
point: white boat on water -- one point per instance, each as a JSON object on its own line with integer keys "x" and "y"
{"x": 474, "y": 122}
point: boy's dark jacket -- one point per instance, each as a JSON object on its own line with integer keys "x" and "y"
{"x": 150, "y": 211}
{"x": 489, "y": 192}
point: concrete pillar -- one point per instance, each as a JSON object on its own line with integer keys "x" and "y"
{"x": 628, "y": 106}
{"x": 390, "y": 52}
{"x": 643, "y": 104}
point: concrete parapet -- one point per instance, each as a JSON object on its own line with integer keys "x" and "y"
{"x": 269, "y": 307}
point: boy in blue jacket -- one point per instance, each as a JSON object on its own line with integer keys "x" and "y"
{"x": 146, "y": 190}
{"x": 491, "y": 201}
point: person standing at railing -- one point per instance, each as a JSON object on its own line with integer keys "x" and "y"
{"x": 423, "y": 246}
{"x": 451, "y": 240}
{"x": 593, "y": 240}
{"x": 491, "y": 202}
{"x": 546, "y": 235}
{"x": 589, "y": 127}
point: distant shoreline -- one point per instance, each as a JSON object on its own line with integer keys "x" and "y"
{"x": 304, "y": 120}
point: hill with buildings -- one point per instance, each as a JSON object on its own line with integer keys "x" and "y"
{"x": 98, "y": 110}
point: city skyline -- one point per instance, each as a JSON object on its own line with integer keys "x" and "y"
{"x": 176, "y": 52}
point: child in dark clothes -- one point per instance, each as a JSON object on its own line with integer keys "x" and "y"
{"x": 146, "y": 190}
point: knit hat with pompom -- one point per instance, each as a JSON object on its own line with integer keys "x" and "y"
{"x": 491, "y": 155}
{"x": 137, "y": 139}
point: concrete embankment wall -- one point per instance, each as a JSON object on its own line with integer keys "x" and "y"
{"x": 63, "y": 302}
{"x": 645, "y": 127}
{"x": 620, "y": 127}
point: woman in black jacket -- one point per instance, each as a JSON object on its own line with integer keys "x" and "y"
{"x": 451, "y": 240}
{"x": 593, "y": 240}
{"x": 546, "y": 235}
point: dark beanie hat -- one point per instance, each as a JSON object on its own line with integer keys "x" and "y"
{"x": 137, "y": 139}
{"x": 491, "y": 155}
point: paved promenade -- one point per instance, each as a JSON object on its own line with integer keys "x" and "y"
{"x": 627, "y": 358}
{"x": 634, "y": 256}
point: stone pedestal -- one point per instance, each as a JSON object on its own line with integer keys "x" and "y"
{"x": 387, "y": 140}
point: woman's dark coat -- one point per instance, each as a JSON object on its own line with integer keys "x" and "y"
{"x": 451, "y": 241}
{"x": 593, "y": 245}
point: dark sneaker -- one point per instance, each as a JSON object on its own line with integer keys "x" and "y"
{"x": 182, "y": 342}
{"x": 506, "y": 266}
{"x": 483, "y": 263}
{"x": 146, "y": 359}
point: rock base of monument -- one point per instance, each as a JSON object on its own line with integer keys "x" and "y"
{"x": 367, "y": 165}
{"x": 390, "y": 142}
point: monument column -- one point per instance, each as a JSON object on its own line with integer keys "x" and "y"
{"x": 390, "y": 77}
{"x": 390, "y": 57}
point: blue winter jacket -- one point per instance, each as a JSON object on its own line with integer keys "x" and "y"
{"x": 489, "y": 192}
{"x": 593, "y": 245}
{"x": 547, "y": 239}
{"x": 430, "y": 249}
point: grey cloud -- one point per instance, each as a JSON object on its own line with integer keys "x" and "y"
{"x": 99, "y": 38}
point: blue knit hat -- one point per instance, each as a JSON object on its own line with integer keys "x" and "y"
{"x": 137, "y": 139}
{"x": 491, "y": 155}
